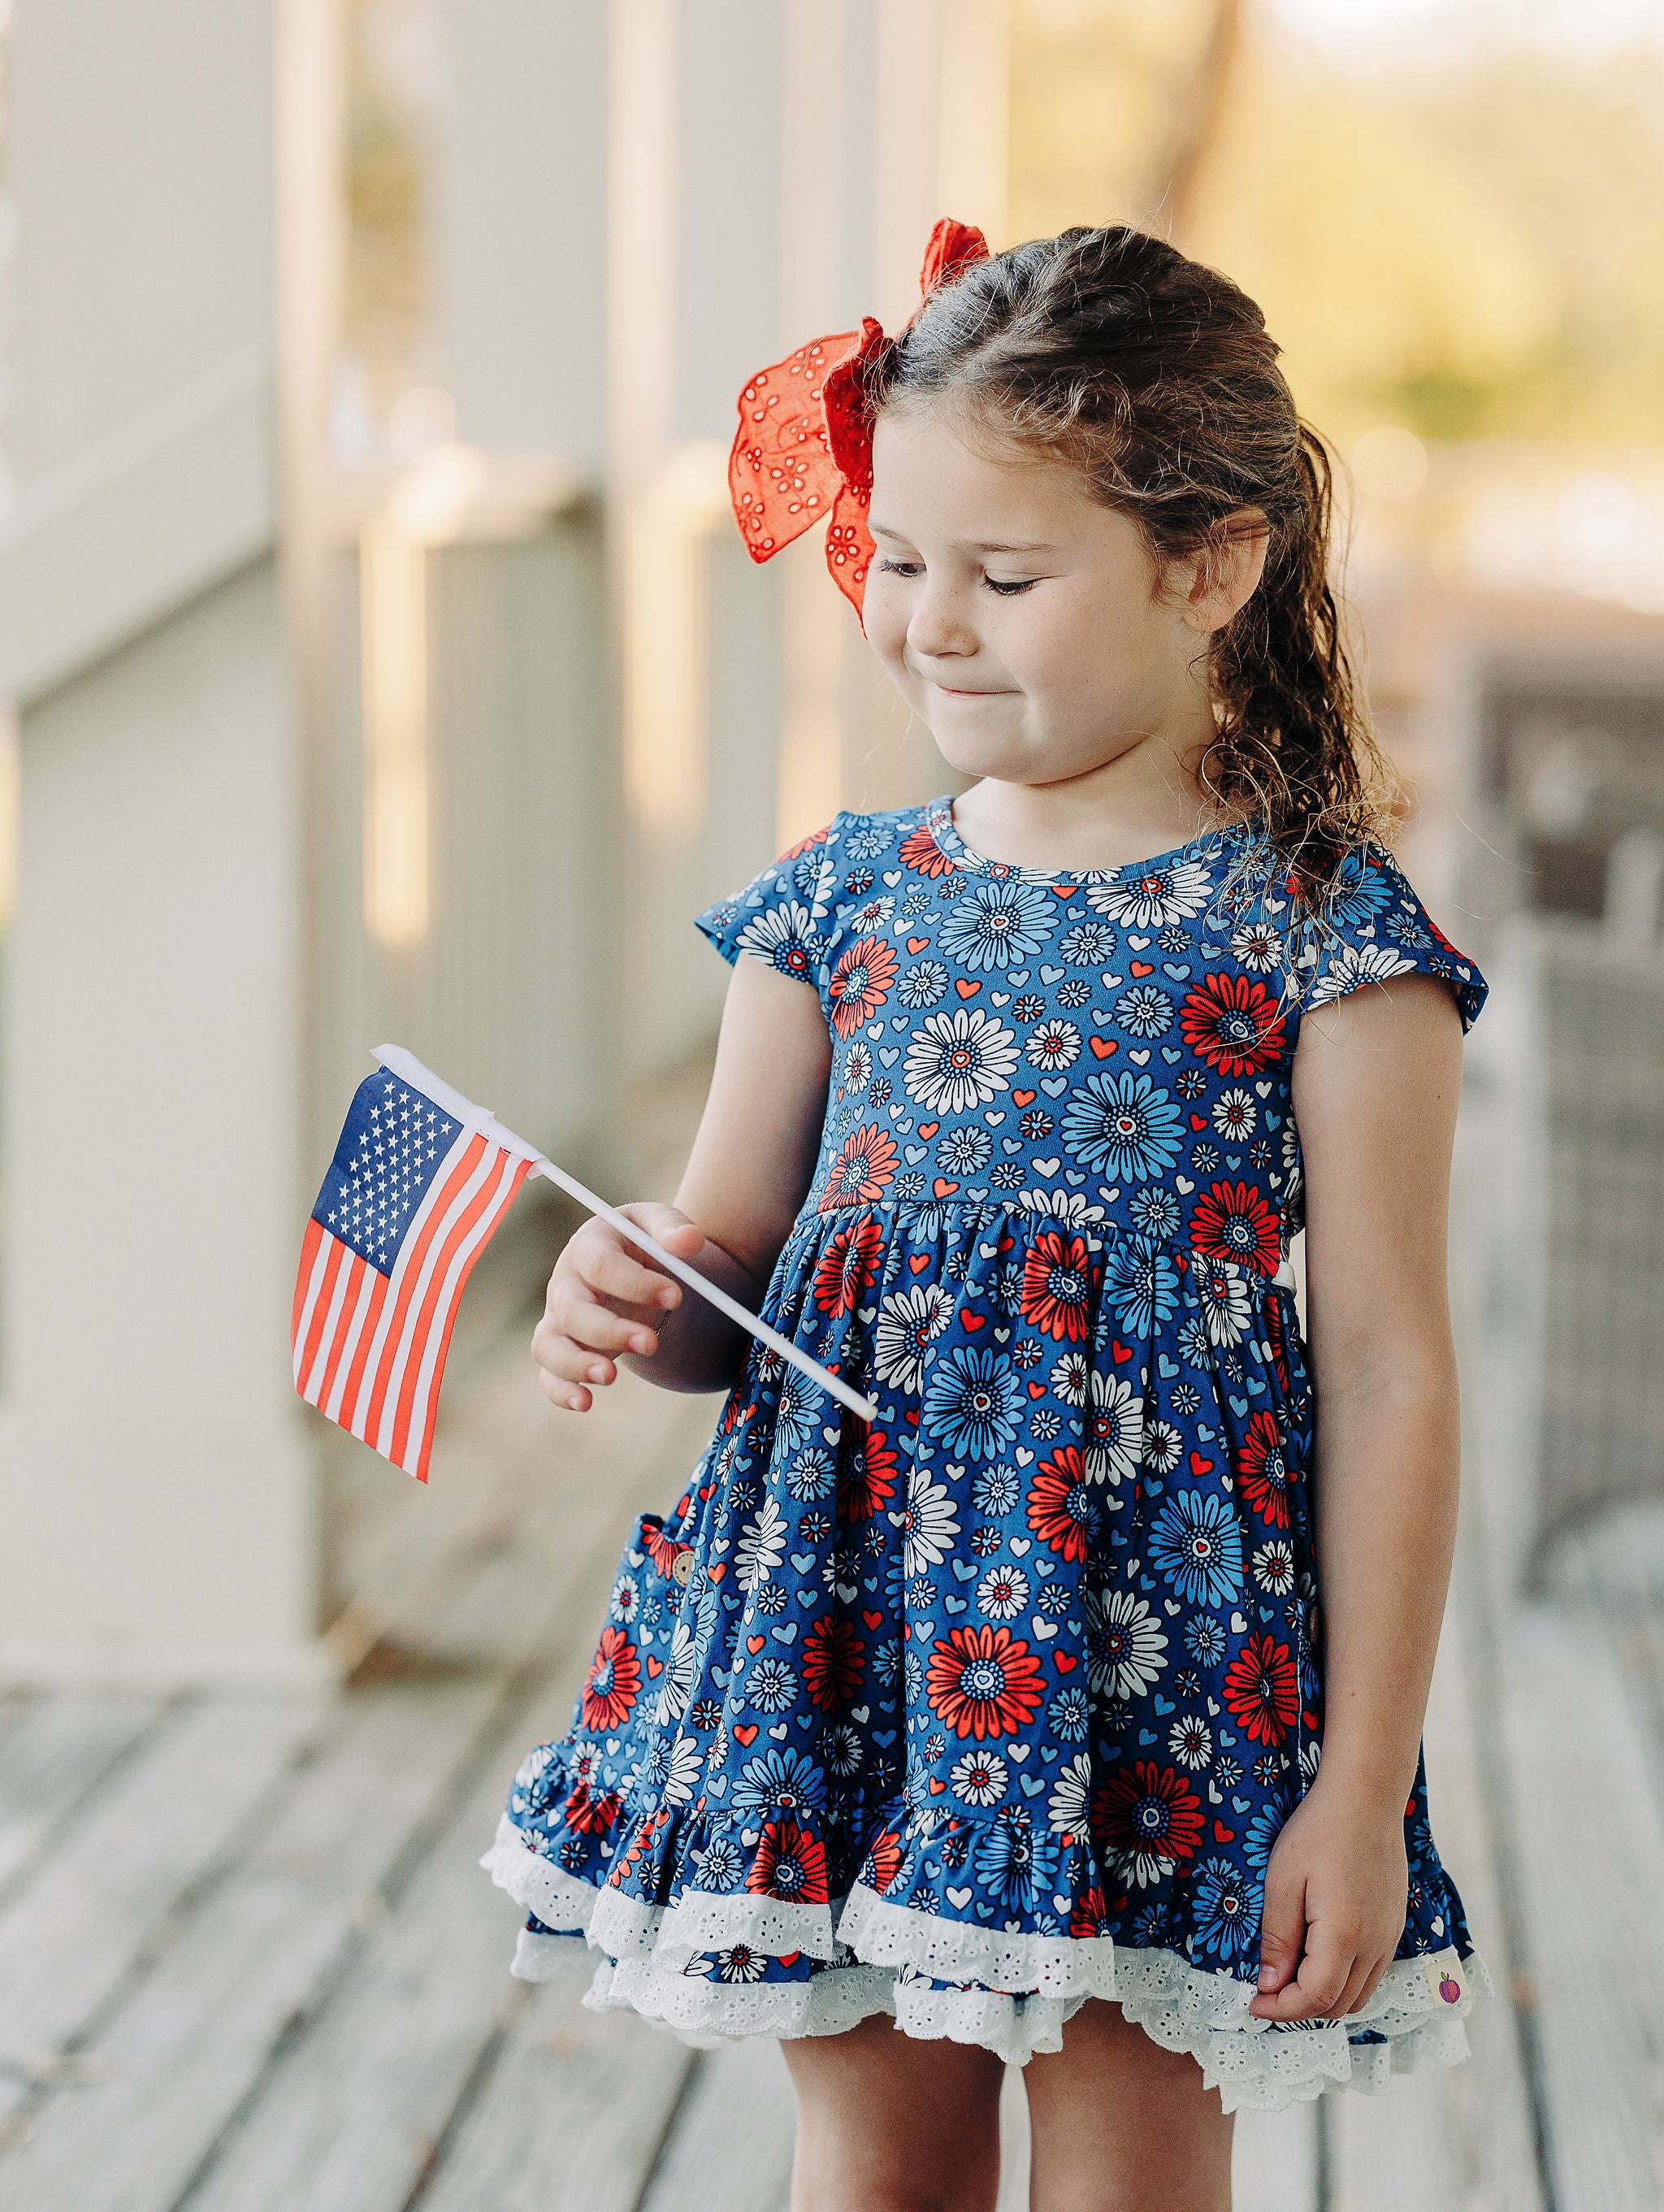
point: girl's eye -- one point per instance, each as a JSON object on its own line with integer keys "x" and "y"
{"x": 1008, "y": 590}
{"x": 901, "y": 568}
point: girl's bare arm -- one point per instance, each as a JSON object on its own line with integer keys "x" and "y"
{"x": 751, "y": 1164}
{"x": 1376, "y": 1078}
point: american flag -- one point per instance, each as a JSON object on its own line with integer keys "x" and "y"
{"x": 419, "y": 1181}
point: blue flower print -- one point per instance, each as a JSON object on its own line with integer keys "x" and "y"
{"x": 1145, "y": 1012}
{"x": 1197, "y": 1543}
{"x": 1227, "y": 1910}
{"x": 973, "y": 1404}
{"x": 923, "y": 984}
{"x": 1015, "y": 1859}
{"x": 798, "y": 1411}
{"x": 1123, "y": 1125}
{"x": 784, "y": 1779}
{"x": 1142, "y": 1283}
{"x": 999, "y": 925}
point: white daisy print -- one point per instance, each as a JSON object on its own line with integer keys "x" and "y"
{"x": 909, "y": 1321}
{"x": 1069, "y": 1378}
{"x": 676, "y": 1687}
{"x": 1226, "y": 1308}
{"x": 1190, "y": 1740}
{"x": 959, "y": 1061}
{"x": 981, "y": 1778}
{"x": 1354, "y": 966}
{"x": 1114, "y": 1428}
{"x": 1257, "y": 946}
{"x": 927, "y": 1524}
{"x": 1150, "y": 898}
{"x": 1003, "y": 1592}
{"x": 762, "y": 1547}
{"x": 682, "y": 1779}
{"x": 1067, "y": 1808}
{"x": 1124, "y": 1643}
{"x": 1054, "y": 1045}
{"x": 1235, "y": 1116}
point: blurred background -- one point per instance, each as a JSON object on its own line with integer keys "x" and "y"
{"x": 378, "y": 660}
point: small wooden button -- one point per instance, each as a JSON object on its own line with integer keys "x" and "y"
{"x": 681, "y": 1567}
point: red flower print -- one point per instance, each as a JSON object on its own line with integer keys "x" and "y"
{"x": 867, "y": 1481}
{"x": 861, "y": 1171}
{"x": 1277, "y": 1341}
{"x": 1263, "y": 1473}
{"x": 1061, "y": 1511}
{"x": 849, "y": 1265}
{"x": 1149, "y": 1818}
{"x": 1262, "y": 1690}
{"x": 790, "y": 1862}
{"x": 807, "y": 844}
{"x": 1090, "y": 1915}
{"x": 614, "y": 1677}
{"x": 590, "y": 1814}
{"x": 1054, "y": 1281}
{"x": 883, "y": 1862}
{"x": 1236, "y": 1222}
{"x": 661, "y": 1548}
{"x": 982, "y": 1682}
{"x": 921, "y": 853}
{"x": 1233, "y": 1023}
{"x": 833, "y": 1664}
{"x": 860, "y": 984}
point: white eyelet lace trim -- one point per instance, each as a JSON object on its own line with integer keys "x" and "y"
{"x": 1031, "y": 1984}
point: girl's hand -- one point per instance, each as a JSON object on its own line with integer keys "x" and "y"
{"x": 1335, "y": 1894}
{"x": 606, "y": 1298}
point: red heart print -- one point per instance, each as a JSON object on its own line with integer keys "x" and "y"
{"x": 936, "y": 1785}
{"x": 966, "y": 988}
{"x": 1104, "y": 1047}
{"x": 1120, "y": 1352}
{"x": 1036, "y": 1389}
{"x": 928, "y": 1129}
{"x": 748, "y": 1736}
{"x": 1144, "y": 967}
{"x": 654, "y": 1666}
{"x": 1199, "y": 1120}
{"x": 785, "y": 1957}
{"x": 755, "y": 1643}
{"x": 1023, "y": 1097}
{"x": 917, "y": 944}
{"x": 918, "y": 1261}
{"x": 875, "y": 1621}
{"x": 972, "y": 1321}
{"x": 1065, "y": 892}
{"x": 1223, "y": 1834}
{"x": 706, "y": 1488}
{"x": 1065, "y": 1661}
{"x": 1199, "y": 1465}
{"x": 942, "y": 1188}
{"x": 717, "y": 1572}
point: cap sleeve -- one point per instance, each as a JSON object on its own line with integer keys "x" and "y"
{"x": 1375, "y": 928}
{"x": 783, "y": 916}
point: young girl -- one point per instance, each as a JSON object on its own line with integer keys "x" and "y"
{"x": 998, "y": 1723}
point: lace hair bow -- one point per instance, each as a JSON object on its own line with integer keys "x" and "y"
{"x": 804, "y": 447}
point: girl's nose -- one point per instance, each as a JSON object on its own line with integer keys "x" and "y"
{"x": 939, "y": 629}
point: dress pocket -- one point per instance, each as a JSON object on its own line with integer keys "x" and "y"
{"x": 665, "y": 1554}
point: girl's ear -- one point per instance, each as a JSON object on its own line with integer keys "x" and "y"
{"x": 1225, "y": 573}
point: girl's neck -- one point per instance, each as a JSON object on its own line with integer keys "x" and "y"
{"x": 1103, "y": 819}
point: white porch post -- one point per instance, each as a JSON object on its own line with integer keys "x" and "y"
{"x": 157, "y": 1498}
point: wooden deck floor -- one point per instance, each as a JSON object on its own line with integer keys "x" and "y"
{"x": 248, "y": 1963}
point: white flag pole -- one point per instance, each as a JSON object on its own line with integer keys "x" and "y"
{"x": 405, "y": 1064}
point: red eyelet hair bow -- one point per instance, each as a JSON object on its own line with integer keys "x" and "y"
{"x": 804, "y": 448}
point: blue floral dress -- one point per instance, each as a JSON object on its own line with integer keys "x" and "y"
{"x": 1001, "y": 1703}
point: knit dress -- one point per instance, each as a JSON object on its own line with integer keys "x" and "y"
{"x": 1002, "y": 1702}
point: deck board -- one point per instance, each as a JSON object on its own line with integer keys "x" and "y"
{"x": 55, "y": 1752}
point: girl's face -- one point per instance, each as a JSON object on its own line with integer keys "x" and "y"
{"x": 1022, "y": 621}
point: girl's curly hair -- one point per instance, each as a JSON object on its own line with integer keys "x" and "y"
{"x": 1154, "y": 376}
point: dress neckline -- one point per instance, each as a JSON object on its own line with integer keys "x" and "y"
{"x": 938, "y": 816}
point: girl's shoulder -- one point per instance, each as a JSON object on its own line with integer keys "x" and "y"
{"x": 846, "y": 875}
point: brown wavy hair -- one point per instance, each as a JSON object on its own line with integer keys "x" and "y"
{"x": 1154, "y": 378}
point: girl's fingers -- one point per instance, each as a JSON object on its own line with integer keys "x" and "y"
{"x": 1282, "y": 1933}
{"x": 1372, "y": 1982}
{"x": 1357, "y": 1983}
{"x": 597, "y": 1327}
{"x": 1315, "y": 1993}
{"x": 606, "y": 1268}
